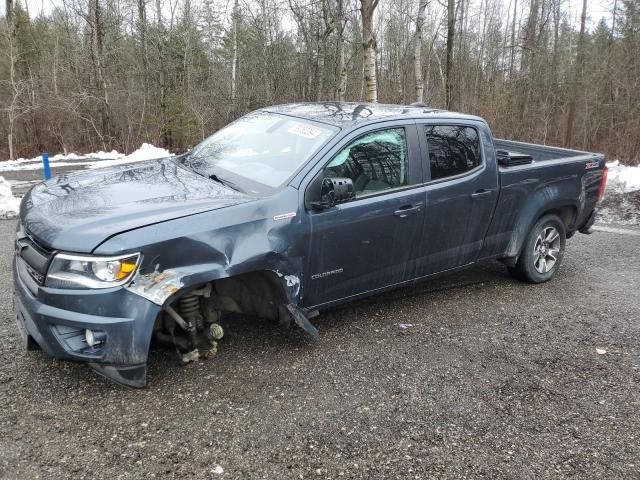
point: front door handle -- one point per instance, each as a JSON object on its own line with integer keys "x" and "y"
{"x": 481, "y": 193}
{"x": 404, "y": 212}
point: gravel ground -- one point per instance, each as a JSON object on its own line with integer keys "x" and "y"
{"x": 492, "y": 379}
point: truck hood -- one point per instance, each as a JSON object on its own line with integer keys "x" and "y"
{"x": 78, "y": 211}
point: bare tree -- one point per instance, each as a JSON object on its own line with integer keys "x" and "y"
{"x": 114, "y": 73}
{"x": 512, "y": 54}
{"x": 11, "y": 38}
{"x": 96, "y": 52}
{"x": 367, "y": 10}
{"x": 142, "y": 31}
{"x": 341, "y": 66}
{"x": 451, "y": 35}
{"x": 577, "y": 76}
{"x": 417, "y": 50}
{"x": 234, "y": 53}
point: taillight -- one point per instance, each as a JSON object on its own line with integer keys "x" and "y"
{"x": 603, "y": 183}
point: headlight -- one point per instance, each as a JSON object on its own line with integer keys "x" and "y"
{"x": 76, "y": 271}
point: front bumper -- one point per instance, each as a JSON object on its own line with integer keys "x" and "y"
{"x": 56, "y": 320}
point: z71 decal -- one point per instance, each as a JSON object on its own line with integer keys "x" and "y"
{"x": 592, "y": 165}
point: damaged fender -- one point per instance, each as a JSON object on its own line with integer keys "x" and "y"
{"x": 255, "y": 266}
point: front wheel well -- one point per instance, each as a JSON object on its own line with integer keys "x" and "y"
{"x": 189, "y": 321}
{"x": 259, "y": 293}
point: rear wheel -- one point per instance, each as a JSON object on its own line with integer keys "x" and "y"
{"x": 542, "y": 251}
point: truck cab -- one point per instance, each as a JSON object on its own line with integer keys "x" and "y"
{"x": 424, "y": 193}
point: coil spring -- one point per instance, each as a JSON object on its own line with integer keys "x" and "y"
{"x": 189, "y": 305}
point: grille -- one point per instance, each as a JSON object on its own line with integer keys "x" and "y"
{"x": 26, "y": 277}
{"x": 33, "y": 261}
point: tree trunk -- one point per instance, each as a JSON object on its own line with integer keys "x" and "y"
{"x": 530, "y": 37}
{"x": 553, "y": 90}
{"x": 512, "y": 56}
{"x": 265, "y": 57}
{"x": 186, "y": 15}
{"x": 9, "y": 10}
{"x": 234, "y": 54}
{"x": 96, "y": 54}
{"x": 417, "y": 51}
{"x": 367, "y": 8}
{"x": 12, "y": 74}
{"x": 556, "y": 36}
{"x": 165, "y": 133}
{"x": 462, "y": 56}
{"x": 577, "y": 77}
{"x": 612, "y": 91}
{"x": 320, "y": 85}
{"x": 341, "y": 69}
{"x": 479, "y": 64}
{"x": 142, "y": 29}
{"x": 451, "y": 33}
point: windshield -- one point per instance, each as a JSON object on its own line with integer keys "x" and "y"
{"x": 259, "y": 150}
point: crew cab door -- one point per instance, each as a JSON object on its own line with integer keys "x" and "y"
{"x": 461, "y": 193}
{"x": 368, "y": 242}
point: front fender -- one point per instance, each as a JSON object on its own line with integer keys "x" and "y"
{"x": 162, "y": 287}
{"x": 266, "y": 235}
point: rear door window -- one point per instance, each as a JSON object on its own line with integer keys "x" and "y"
{"x": 453, "y": 150}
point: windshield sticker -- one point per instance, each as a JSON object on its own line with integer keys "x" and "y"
{"x": 305, "y": 131}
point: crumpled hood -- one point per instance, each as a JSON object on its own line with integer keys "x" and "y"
{"x": 78, "y": 211}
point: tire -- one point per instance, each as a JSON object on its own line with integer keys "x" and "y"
{"x": 542, "y": 251}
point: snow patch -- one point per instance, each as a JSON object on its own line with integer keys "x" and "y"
{"x": 9, "y": 205}
{"x": 62, "y": 156}
{"x": 145, "y": 152}
{"x": 90, "y": 160}
{"x": 623, "y": 178}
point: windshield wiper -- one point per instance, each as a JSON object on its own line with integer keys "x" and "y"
{"x": 187, "y": 160}
{"x": 225, "y": 182}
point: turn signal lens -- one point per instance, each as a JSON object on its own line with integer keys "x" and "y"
{"x": 126, "y": 267}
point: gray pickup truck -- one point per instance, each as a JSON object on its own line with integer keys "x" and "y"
{"x": 284, "y": 212}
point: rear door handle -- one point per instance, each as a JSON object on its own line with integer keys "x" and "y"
{"x": 481, "y": 193}
{"x": 404, "y": 212}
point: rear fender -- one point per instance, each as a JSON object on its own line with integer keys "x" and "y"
{"x": 545, "y": 200}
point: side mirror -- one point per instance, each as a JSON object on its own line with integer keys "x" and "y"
{"x": 334, "y": 191}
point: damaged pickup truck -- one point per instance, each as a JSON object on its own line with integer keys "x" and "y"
{"x": 284, "y": 212}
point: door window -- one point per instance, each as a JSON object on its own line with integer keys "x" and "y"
{"x": 374, "y": 162}
{"x": 453, "y": 150}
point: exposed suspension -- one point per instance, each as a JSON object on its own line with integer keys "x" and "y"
{"x": 198, "y": 320}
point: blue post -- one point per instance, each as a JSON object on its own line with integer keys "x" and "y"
{"x": 47, "y": 169}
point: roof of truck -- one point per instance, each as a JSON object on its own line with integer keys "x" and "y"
{"x": 349, "y": 114}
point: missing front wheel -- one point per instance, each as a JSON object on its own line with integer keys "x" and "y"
{"x": 190, "y": 325}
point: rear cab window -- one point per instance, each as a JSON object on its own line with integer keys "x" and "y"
{"x": 453, "y": 150}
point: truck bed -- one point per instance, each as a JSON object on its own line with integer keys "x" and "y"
{"x": 542, "y": 153}
{"x": 559, "y": 179}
